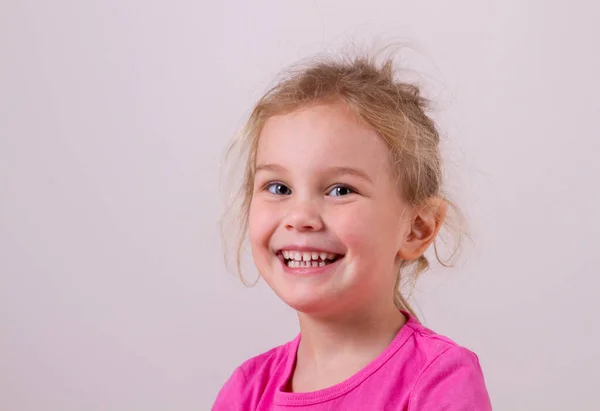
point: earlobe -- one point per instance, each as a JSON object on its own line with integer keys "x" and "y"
{"x": 425, "y": 226}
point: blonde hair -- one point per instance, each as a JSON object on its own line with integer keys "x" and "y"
{"x": 394, "y": 109}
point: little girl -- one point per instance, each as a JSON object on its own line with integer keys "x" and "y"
{"x": 341, "y": 198}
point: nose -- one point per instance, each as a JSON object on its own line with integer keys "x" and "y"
{"x": 304, "y": 216}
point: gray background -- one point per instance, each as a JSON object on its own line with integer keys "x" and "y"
{"x": 113, "y": 120}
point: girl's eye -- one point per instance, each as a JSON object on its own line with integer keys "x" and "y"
{"x": 279, "y": 189}
{"x": 340, "y": 191}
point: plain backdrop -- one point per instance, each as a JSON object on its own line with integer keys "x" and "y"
{"x": 114, "y": 116}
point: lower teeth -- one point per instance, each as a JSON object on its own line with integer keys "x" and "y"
{"x": 306, "y": 264}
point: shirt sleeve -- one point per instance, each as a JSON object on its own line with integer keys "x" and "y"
{"x": 452, "y": 382}
{"x": 230, "y": 397}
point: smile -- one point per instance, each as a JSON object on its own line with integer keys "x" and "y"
{"x": 306, "y": 259}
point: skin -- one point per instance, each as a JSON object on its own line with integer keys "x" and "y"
{"x": 323, "y": 183}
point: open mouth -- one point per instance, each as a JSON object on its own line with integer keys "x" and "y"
{"x": 306, "y": 259}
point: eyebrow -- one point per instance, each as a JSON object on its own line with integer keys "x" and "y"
{"x": 269, "y": 167}
{"x": 340, "y": 170}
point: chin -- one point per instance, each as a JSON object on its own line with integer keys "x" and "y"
{"x": 308, "y": 304}
{"x": 317, "y": 301}
{"x": 318, "y": 291}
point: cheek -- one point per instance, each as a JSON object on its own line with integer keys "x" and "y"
{"x": 260, "y": 223}
{"x": 356, "y": 227}
{"x": 369, "y": 232}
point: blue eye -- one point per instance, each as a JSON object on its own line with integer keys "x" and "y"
{"x": 339, "y": 190}
{"x": 279, "y": 189}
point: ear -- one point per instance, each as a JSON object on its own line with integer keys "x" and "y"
{"x": 425, "y": 225}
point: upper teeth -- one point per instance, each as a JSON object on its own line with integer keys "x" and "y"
{"x": 307, "y": 256}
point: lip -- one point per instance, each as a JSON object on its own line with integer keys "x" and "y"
{"x": 309, "y": 271}
{"x": 308, "y": 249}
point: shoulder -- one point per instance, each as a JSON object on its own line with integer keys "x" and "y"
{"x": 429, "y": 345}
{"x": 267, "y": 362}
{"x": 247, "y": 383}
{"x": 450, "y": 376}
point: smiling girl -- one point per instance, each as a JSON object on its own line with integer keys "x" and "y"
{"x": 341, "y": 198}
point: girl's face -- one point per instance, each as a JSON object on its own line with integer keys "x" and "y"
{"x": 326, "y": 219}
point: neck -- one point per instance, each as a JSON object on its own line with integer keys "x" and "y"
{"x": 334, "y": 348}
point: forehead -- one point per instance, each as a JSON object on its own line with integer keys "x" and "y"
{"x": 320, "y": 136}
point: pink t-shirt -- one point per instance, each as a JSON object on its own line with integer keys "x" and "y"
{"x": 419, "y": 370}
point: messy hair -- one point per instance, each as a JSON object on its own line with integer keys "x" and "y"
{"x": 395, "y": 109}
